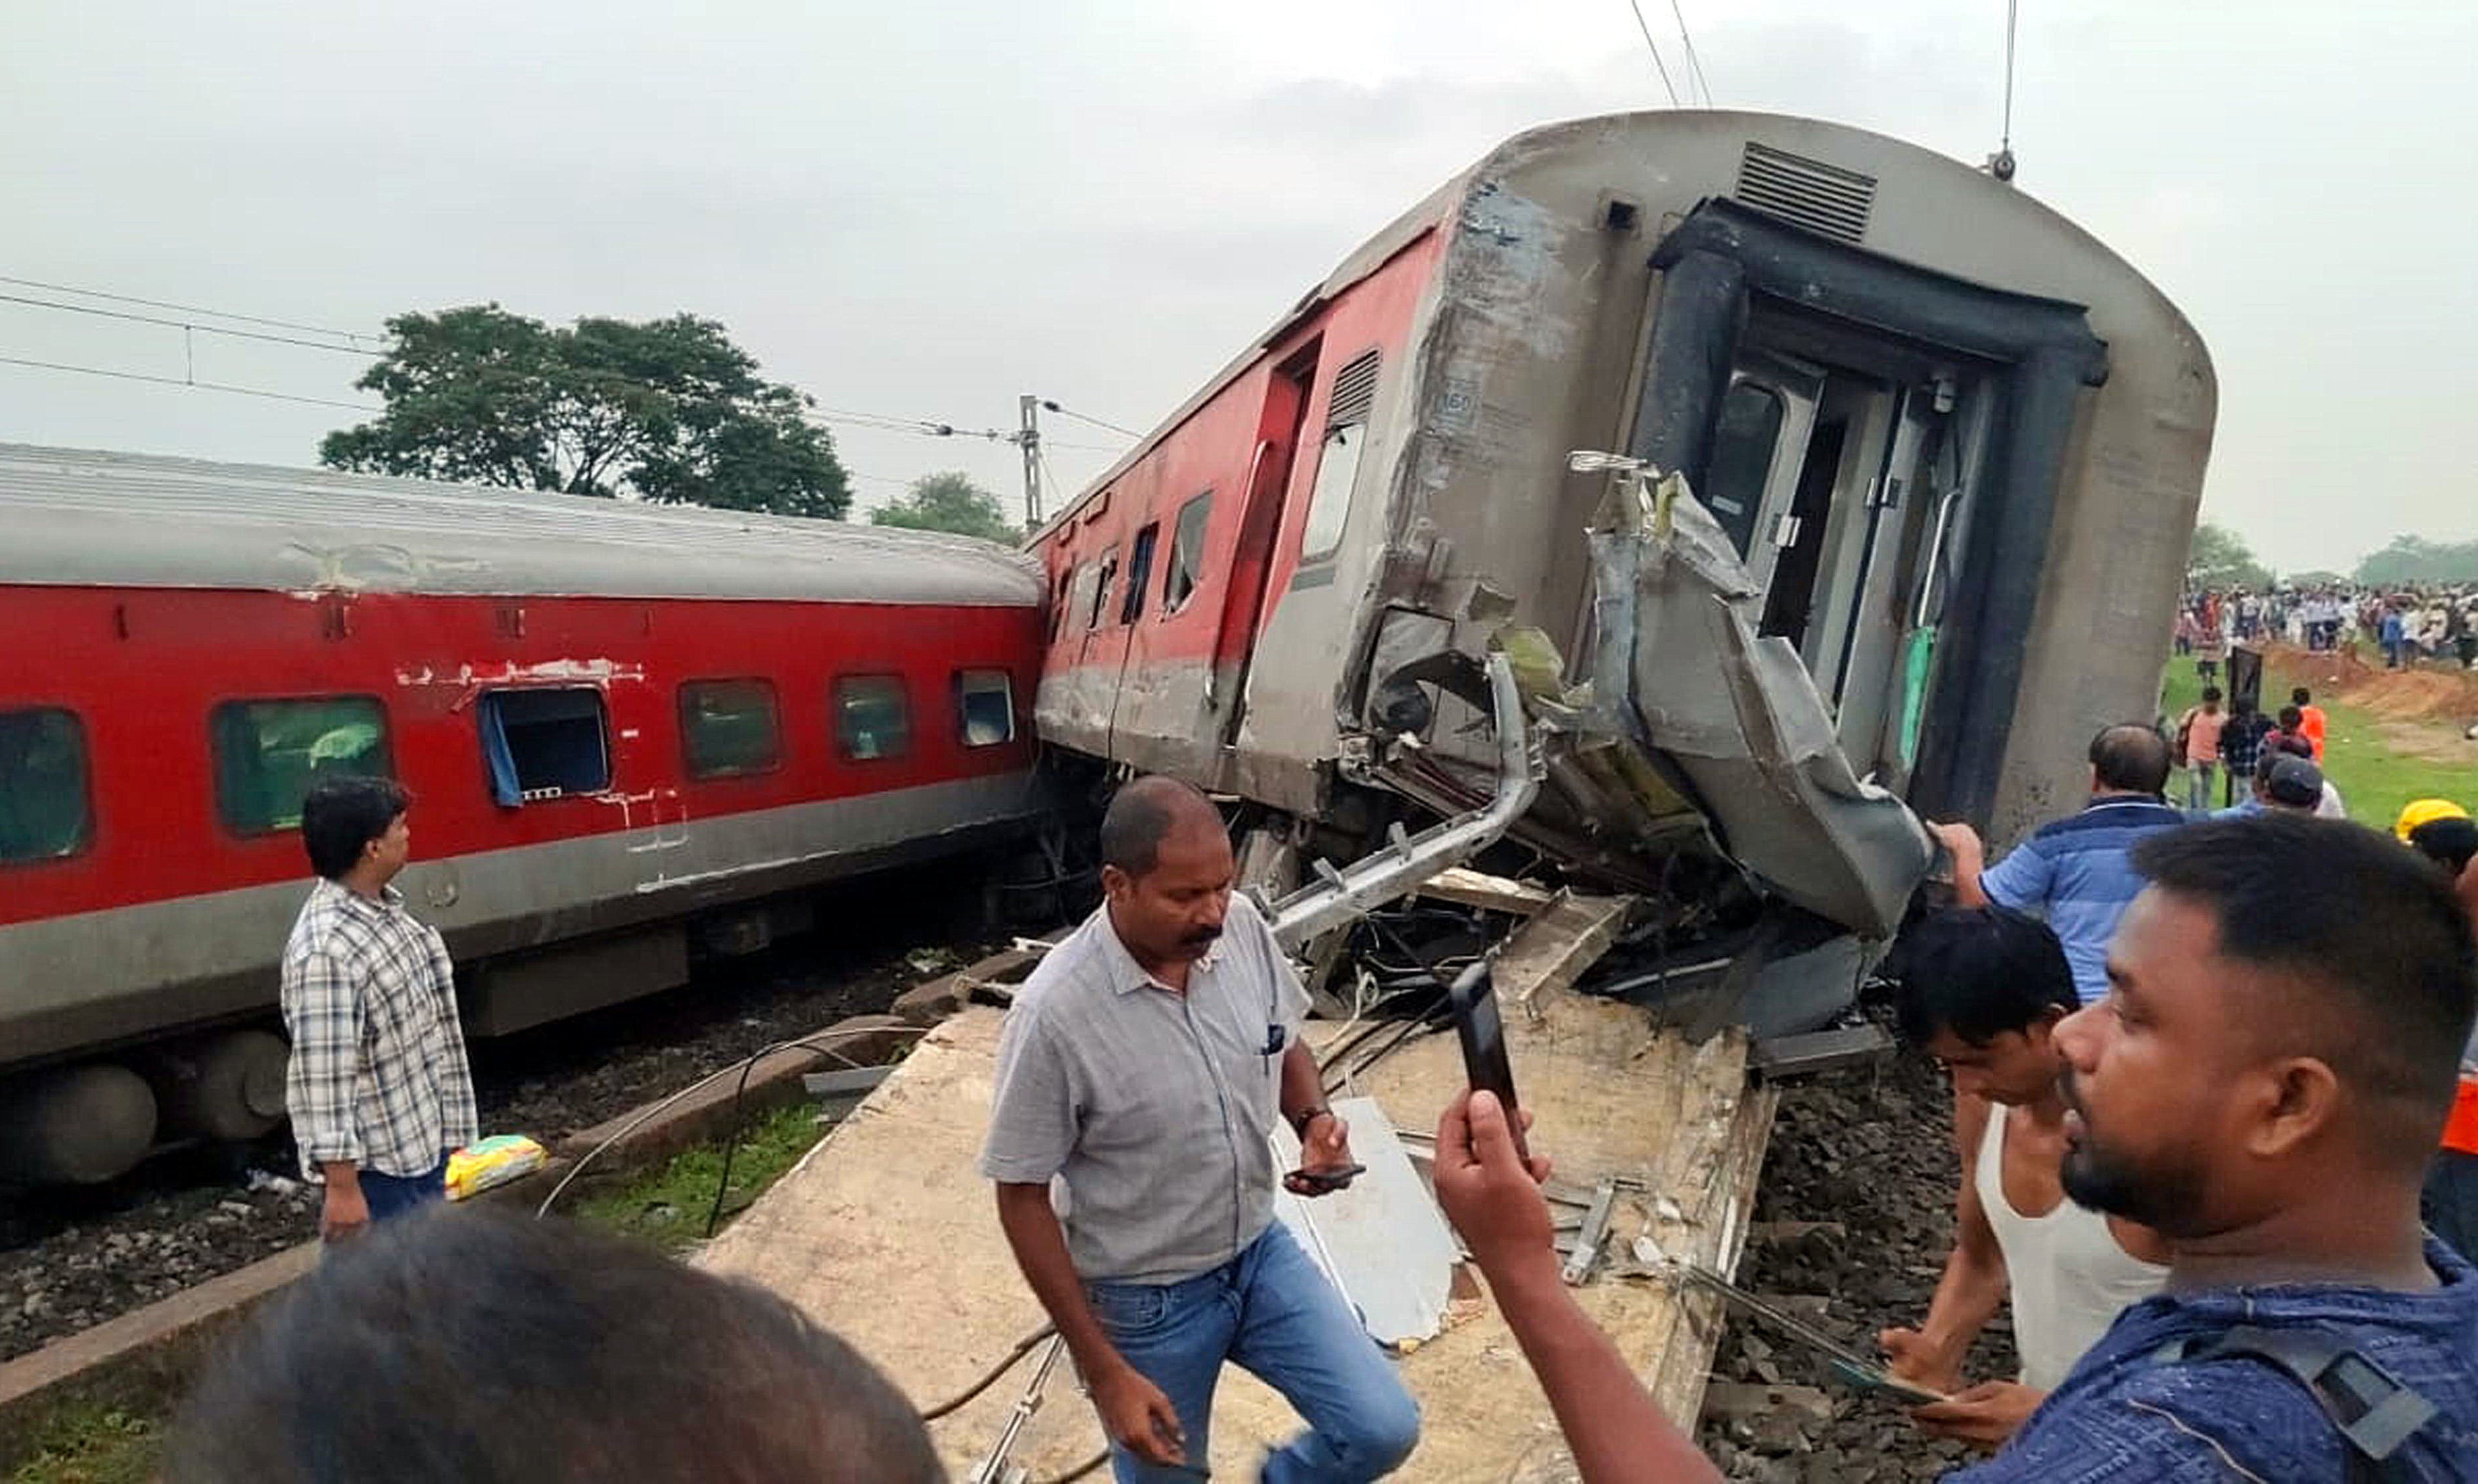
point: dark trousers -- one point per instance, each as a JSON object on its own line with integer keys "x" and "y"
{"x": 394, "y": 1196}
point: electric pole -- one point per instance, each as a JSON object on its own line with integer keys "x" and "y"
{"x": 1029, "y": 439}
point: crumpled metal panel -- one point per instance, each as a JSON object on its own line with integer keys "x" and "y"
{"x": 1739, "y": 715}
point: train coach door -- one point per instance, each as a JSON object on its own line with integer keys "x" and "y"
{"x": 1260, "y": 523}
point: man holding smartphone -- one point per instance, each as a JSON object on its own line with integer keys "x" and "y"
{"x": 1141, "y": 1068}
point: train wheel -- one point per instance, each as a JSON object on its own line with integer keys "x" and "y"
{"x": 75, "y": 1125}
{"x": 228, "y": 1087}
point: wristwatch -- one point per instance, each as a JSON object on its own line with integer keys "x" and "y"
{"x": 1301, "y": 1120}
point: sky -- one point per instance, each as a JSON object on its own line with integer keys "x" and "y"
{"x": 922, "y": 210}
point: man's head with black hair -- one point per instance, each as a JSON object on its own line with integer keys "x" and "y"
{"x": 1167, "y": 870}
{"x": 1981, "y": 991}
{"x": 2282, "y": 1038}
{"x": 479, "y": 1347}
{"x": 356, "y": 822}
{"x": 2292, "y": 719}
{"x": 2301, "y": 697}
{"x": 2450, "y": 842}
{"x": 2129, "y": 758}
{"x": 2210, "y": 696}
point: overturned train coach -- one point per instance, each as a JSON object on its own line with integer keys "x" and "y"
{"x": 1696, "y": 499}
{"x": 628, "y": 729}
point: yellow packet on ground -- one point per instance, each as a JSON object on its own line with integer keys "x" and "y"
{"x": 494, "y": 1161}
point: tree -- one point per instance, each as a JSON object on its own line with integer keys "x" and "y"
{"x": 2414, "y": 559}
{"x": 2219, "y": 558}
{"x": 668, "y": 411}
{"x": 948, "y": 502}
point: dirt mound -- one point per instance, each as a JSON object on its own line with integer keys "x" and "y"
{"x": 2418, "y": 694}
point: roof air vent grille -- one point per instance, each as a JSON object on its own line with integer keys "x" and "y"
{"x": 1825, "y": 199}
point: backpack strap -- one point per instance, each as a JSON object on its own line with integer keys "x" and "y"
{"x": 2371, "y": 1409}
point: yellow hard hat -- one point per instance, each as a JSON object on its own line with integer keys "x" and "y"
{"x": 2422, "y": 811}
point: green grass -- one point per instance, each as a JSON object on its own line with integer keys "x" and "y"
{"x": 92, "y": 1444}
{"x": 83, "y": 1444}
{"x": 667, "y": 1205}
{"x": 2373, "y": 779}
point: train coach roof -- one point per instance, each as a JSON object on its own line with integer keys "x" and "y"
{"x": 81, "y": 518}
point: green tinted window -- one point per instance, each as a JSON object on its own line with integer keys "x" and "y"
{"x": 729, "y": 729}
{"x": 43, "y": 806}
{"x": 872, "y": 716}
{"x": 269, "y": 753}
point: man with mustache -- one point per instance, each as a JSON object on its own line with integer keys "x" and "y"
{"x": 2262, "y": 1085}
{"x": 1141, "y": 1068}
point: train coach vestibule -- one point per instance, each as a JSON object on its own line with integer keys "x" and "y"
{"x": 1837, "y": 486}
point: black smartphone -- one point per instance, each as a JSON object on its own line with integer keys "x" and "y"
{"x": 1477, "y": 1024}
{"x": 1328, "y": 1180}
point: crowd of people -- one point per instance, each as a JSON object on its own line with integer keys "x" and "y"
{"x": 2405, "y": 625}
{"x": 2215, "y": 1133}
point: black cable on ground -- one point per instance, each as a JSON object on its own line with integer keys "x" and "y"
{"x": 740, "y": 1124}
{"x": 990, "y": 1377}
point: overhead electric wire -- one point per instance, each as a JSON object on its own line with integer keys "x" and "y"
{"x": 190, "y": 309}
{"x": 192, "y": 383}
{"x": 187, "y": 325}
{"x": 1069, "y": 411}
{"x": 2012, "y": 11}
{"x": 1654, "y": 47}
{"x": 1694, "y": 63}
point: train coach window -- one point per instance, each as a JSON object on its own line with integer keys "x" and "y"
{"x": 1186, "y": 566}
{"x": 985, "y": 707}
{"x": 729, "y": 728}
{"x": 268, "y": 753}
{"x": 44, "y": 813}
{"x": 1140, "y": 572}
{"x": 540, "y": 745}
{"x": 1742, "y": 459}
{"x": 1346, "y": 433}
{"x": 872, "y": 718}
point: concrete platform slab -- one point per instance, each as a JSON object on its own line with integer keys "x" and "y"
{"x": 885, "y": 1234}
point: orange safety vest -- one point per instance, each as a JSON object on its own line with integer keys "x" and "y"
{"x": 2461, "y": 1129}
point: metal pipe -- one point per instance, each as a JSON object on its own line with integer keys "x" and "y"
{"x": 1341, "y": 895}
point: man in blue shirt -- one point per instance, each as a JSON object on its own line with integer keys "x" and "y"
{"x": 2073, "y": 873}
{"x": 2287, "y": 1002}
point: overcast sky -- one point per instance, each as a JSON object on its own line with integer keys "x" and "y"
{"x": 924, "y": 209}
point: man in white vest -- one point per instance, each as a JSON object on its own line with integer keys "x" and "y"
{"x": 1981, "y": 991}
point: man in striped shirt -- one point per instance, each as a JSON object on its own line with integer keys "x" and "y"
{"x": 378, "y": 1087}
{"x": 2074, "y": 872}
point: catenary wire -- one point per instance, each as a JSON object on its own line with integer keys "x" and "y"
{"x": 260, "y": 336}
{"x": 1694, "y": 63}
{"x": 1069, "y": 411}
{"x": 2012, "y": 11}
{"x": 194, "y": 385}
{"x": 190, "y": 309}
{"x": 1658, "y": 65}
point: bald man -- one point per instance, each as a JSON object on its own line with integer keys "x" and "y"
{"x": 1141, "y": 1068}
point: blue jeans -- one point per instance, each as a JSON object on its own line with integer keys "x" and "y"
{"x": 393, "y": 1195}
{"x": 1271, "y": 1311}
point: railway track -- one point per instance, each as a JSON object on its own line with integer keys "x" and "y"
{"x": 73, "y": 1259}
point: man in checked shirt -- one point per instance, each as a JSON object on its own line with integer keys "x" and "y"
{"x": 378, "y": 1088}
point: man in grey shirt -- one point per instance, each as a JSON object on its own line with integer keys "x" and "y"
{"x": 1142, "y": 1067}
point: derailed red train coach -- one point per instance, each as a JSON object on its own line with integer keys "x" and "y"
{"x": 1689, "y": 496}
{"x": 628, "y": 728}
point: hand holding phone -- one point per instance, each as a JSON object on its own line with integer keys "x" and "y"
{"x": 1482, "y": 1033}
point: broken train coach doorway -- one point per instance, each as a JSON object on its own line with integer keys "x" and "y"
{"x": 1882, "y": 445}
